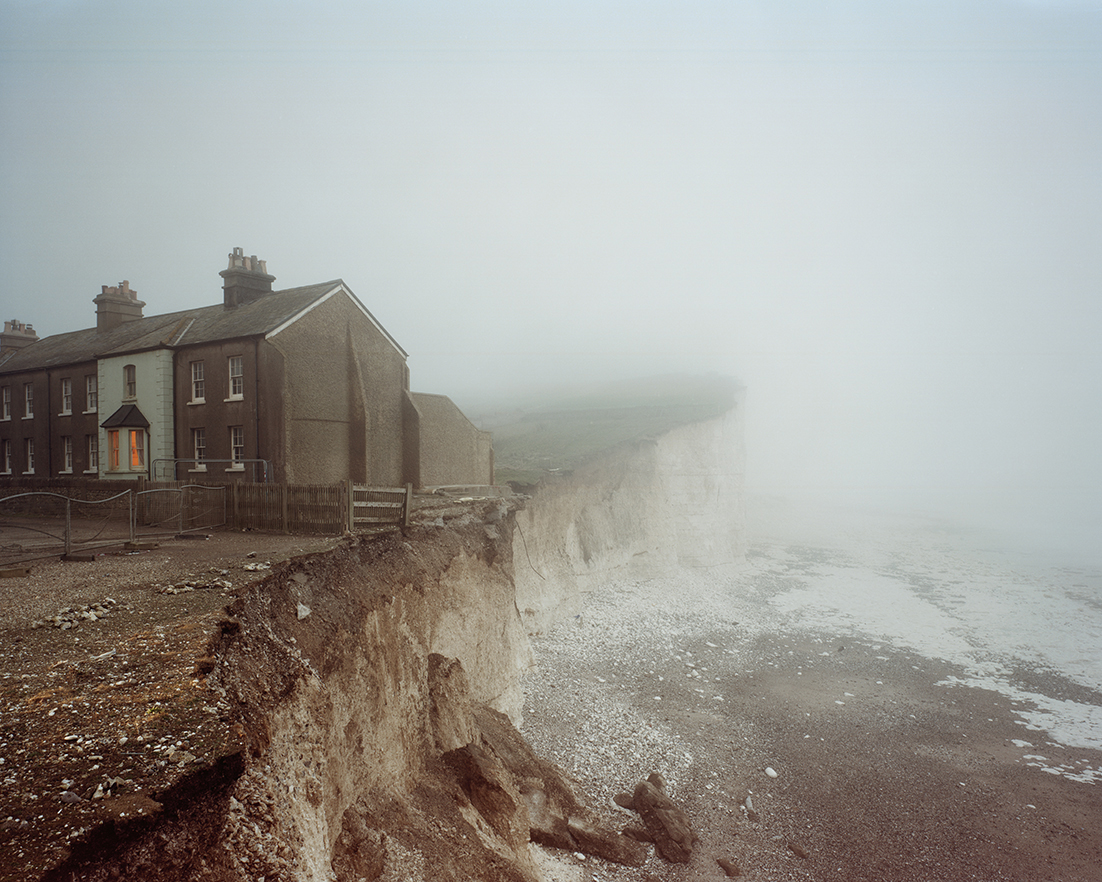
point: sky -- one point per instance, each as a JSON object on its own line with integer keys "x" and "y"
{"x": 884, "y": 219}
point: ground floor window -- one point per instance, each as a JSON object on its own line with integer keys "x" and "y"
{"x": 93, "y": 453}
{"x": 66, "y": 453}
{"x": 5, "y": 456}
{"x": 237, "y": 446}
{"x": 126, "y": 450}
{"x": 28, "y": 456}
{"x": 199, "y": 447}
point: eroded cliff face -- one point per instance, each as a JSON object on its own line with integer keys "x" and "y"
{"x": 639, "y": 510}
{"x": 374, "y": 684}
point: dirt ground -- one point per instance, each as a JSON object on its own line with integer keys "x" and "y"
{"x": 116, "y": 703}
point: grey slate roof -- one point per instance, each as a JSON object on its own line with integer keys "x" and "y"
{"x": 205, "y": 324}
{"x": 129, "y": 416}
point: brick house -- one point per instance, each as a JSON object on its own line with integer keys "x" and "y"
{"x": 298, "y": 386}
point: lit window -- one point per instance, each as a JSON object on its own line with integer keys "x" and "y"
{"x": 130, "y": 381}
{"x": 237, "y": 445}
{"x": 5, "y": 403}
{"x": 5, "y": 456}
{"x": 91, "y": 393}
{"x": 66, "y": 453}
{"x": 66, "y": 395}
{"x": 198, "y": 385}
{"x": 93, "y": 453}
{"x": 199, "y": 445}
{"x": 237, "y": 376}
{"x": 113, "y": 450}
{"x": 137, "y": 448}
{"x": 28, "y": 400}
{"x": 28, "y": 449}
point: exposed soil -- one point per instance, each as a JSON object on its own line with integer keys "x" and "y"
{"x": 103, "y": 721}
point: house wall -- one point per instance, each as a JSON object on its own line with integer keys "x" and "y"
{"x": 17, "y": 428}
{"x": 154, "y": 400}
{"x": 453, "y": 449}
{"x": 220, "y": 410}
{"x": 77, "y": 424}
{"x": 342, "y": 392}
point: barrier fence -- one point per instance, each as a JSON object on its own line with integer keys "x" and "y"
{"x": 78, "y": 518}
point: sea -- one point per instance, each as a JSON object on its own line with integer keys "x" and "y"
{"x": 1009, "y": 614}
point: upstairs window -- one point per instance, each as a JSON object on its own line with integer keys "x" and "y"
{"x": 91, "y": 393}
{"x": 28, "y": 400}
{"x": 198, "y": 384}
{"x": 237, "y": 376}
{"x": 5, "y": 403}
{"x": 129, "y": 382}
{"x": 66, "y": 396}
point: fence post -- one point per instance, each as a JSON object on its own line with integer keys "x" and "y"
{"x": 68, "y": 527}
{"x": 350, "y": 508}
{"x": 130, "y": 500}
{"x": 408, "y": 505}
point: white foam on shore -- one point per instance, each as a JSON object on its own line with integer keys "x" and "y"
{"x": 933, "y": 592}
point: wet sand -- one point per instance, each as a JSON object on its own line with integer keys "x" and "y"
{"x": 884, "y": 769}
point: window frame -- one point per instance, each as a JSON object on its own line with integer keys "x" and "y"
{"x": 5, "y": 403}
{"x": 136, "y": 447}
{"x": 129, "y": 382}
{"x": 198, "y": 382}
{"x": 91, "y": 393}
{"x": 28, "y": 456}
{"x": 66, "y": 396}
{"x": 237, "y": 443}
{"x": 5, "y": 456}
{"x": 236, "y": 379}
{"x": 113, "y": 450}
{"x": 28, "y": 401}
{"x": 199, "y": 448}
{"x": 66, "y": 454}
{"x": 92, "y": 446}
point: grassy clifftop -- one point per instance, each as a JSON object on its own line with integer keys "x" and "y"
{"x": 553, "y": 431}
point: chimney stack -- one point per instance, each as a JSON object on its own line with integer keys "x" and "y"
{"x": 117, "y": 305}
{"x": 16, "y": 335}
{"x": 246, "y": 279}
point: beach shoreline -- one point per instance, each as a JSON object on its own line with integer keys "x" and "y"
{"x": 887, "y": 767}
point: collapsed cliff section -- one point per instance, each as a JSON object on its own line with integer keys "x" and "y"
{"x": 372, "y": 686}
{"x": 640, "y": 509}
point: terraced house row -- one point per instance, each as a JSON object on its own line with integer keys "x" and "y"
{"x": 299, "y": 386}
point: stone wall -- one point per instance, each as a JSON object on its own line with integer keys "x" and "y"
{"x": 453, "y": 449}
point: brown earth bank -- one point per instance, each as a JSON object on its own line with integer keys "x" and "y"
{"x": 249, "y": 707}
{"x": 104, "y": 689}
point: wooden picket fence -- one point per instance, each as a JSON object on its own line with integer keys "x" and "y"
{"x": 316, "y": 508}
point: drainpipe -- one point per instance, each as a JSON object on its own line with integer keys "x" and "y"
{"x": 256, "y": 403}
{"x": 49, "y": 427}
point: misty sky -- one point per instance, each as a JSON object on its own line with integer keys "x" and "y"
{"x": 884, "y": 218}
